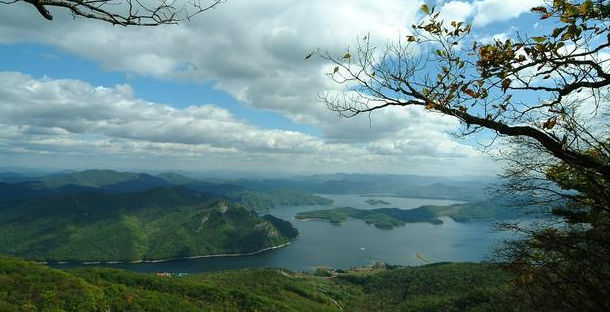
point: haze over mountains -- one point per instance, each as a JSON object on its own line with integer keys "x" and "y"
{"x": 113, "y": 181}
{"x": 108, "y": 181}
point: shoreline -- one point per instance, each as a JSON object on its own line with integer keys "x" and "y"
{"x": 166, "y": 259}
{"x": 321, "y": 219}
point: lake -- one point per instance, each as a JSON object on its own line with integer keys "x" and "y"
{"x": 353, "y": 243}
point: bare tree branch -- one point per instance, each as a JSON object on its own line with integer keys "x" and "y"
{"x": 126, "y": 12}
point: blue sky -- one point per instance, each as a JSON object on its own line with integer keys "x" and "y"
{"x": 41, "y": 61}
{"x": 79, "y": 93}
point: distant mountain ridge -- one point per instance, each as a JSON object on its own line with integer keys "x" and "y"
{"x": 104, "y": 179}
{"x": 396, "y": 185}
{"x": 109, "y": 181}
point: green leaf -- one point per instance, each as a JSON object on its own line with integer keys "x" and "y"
{"x": 347, "y": 56}
{"x": 425, "y": 9}
{"x": 539, "y": 39}
{"x": 336, "y": 70}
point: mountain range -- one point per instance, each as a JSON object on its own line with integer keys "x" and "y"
{"x": 109, "y": 181}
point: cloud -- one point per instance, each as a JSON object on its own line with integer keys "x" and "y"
{"x": 72, "y": 118}
{"x": 253, "y": 50}
{"x": 74, "y": 107}
{"x": 460, "y": 11}
{"x": 485, "y": 12}
{"x": 490, "y": 11}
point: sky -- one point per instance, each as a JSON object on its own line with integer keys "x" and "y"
{"x": 227, "y": 90}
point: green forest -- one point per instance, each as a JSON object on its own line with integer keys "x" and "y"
{"x": 26, "y": 286}
{"x": 87, "y": 227}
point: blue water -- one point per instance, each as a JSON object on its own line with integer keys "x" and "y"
{"x": 353, "y": 243}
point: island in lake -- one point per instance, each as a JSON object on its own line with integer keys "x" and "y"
{"x": 377, "y": 202}
{"x": 385, "y": 218}
{"x": 388, "y": 218}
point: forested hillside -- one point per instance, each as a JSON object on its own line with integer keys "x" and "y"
{"x": 25, "y": 286}
{"x": 157, "y": 223}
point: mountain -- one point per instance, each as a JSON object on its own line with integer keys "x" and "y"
{"x": 253, "y": 199}
{"x": 157, "y": 223}
{"x": 26, "y": 286}
{"x": 18, "y": 191}
{"x": 397, "y": 185}
{"x": 278, "y": 197}
{"x": 88, "y": 178}
{"x": 13, "y": 177}
{"x": 109, "y": 181}
{"x": 176, "y": 179}
{"x": 262, "y": 194}
{"x": 89, "y": 181}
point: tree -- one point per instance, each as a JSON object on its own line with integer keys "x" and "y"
{"x": 124, "y": 12}
{"x": 545, "y": 95}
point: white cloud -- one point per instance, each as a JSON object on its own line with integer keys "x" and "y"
{"x": 489, "y": 11}
{"x": 457, "y": 11}
{"x": 485, "y": 12}
{"x": 253, "y": 50}
{"x": 72, "y": 118}
{"x": 69, "y": 106}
